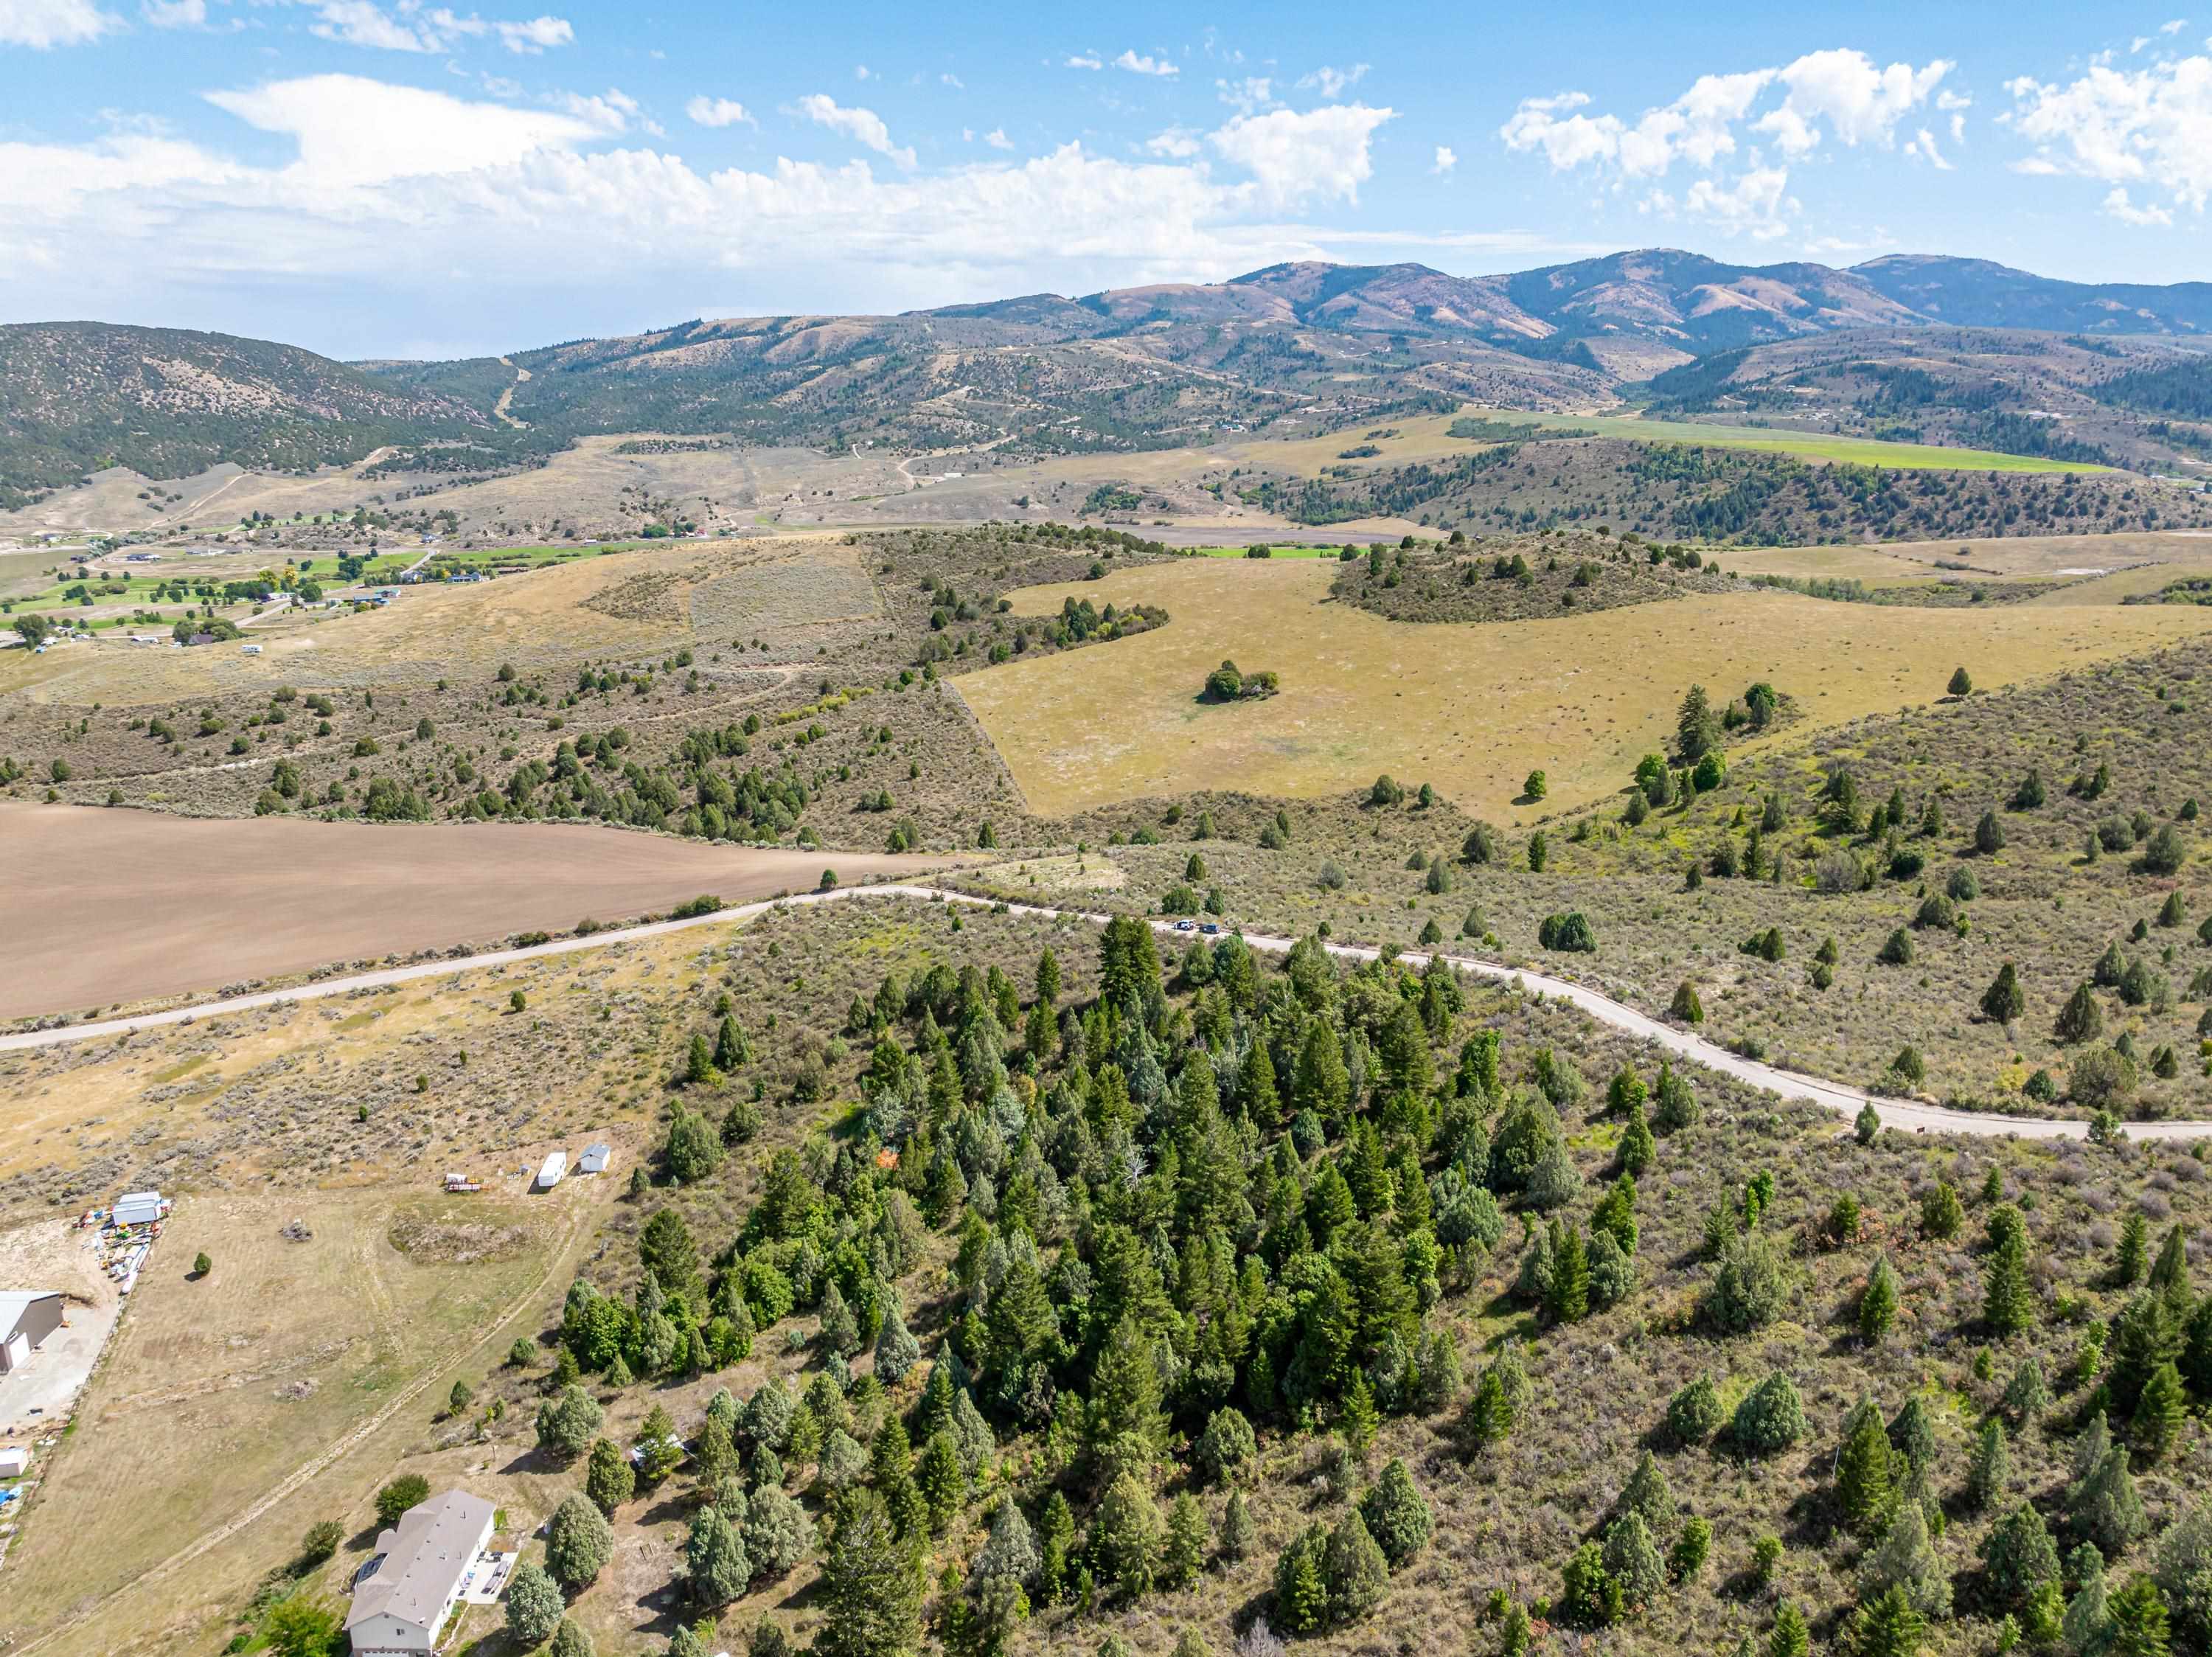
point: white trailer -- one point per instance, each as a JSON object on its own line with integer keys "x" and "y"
{"x": 553, "y": 1169}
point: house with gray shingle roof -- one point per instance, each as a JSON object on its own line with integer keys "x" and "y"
{"x": 421, "y": 1566}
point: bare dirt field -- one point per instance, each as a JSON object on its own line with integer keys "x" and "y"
{"x": 1474, "y": 707}
{"x": 140, "y": 905}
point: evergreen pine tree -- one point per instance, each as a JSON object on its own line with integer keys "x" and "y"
{"x": 1905, "y": 1562}
{"x": 1238, "y": 1529}
{"x": 2005, "y": 1000}
{"x": 1788, "y": 1636}
{"x": 2159, "y": 1414}
{"x": 2132, "y": 1265}
{"x": 1187, "y": 1539}
{"x": 2007, "y": 1299}
{"x": 1126, "y": 1537}
{"x": 2087, "y": 1628}
{"x": 1354, "y": 1569}
{"x": 2026, "y": 1396}
{"x": 1568, "y": 1300}
{"x": 1632, "y": 1561}
{"x": 1878, "y": 1301}
{"x": 1991, "y": 1468}
{"x": 2019, "y": 1556}
{"x": 1863, "y": 1470}
{"x": 2105, "y": 1505}
{"x": 1397, "y": 1515}
{"x": 1888, "y": 1626}
{"x": 2140, "y": 1622}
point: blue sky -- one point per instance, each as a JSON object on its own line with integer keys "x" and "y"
{"x": 400, "y": 177}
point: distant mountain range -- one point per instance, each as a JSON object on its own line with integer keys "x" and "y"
{"x": 1125, "y": 368}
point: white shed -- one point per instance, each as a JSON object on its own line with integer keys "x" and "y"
{"x": 138, "y": 1208}
{"x": 551, "y": 1173}
{"x": 14, "y": 1461}
{"x": 594, "y": 1159}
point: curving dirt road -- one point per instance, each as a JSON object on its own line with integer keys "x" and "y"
{"x": 1902, "y": 1114}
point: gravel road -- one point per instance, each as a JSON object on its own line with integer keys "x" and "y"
{"x": 1902, "y": 1114}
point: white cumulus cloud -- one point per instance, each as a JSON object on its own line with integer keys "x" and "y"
{"x": 41, "y": 24}
{"x": 719, "y": 111}
{"x": 1293, "y": 156}
{"x": 2150, "y": 127}
{"x": 1758, "y": 201}
{"x": 1085, "y": 60}
{"x": 353, "y": 131}
{"x": 1721, "y": 125}
{"x": 2120, "y": 208}
{"x": 175, "y": 14}
{"x": 863, "y": 126}
{"x": 1845, "y": 90}
{"x": 1446, "y": 160}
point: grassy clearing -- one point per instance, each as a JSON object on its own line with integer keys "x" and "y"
{"x": 1811, "y": 446}
{"x": 1470, "y": 708}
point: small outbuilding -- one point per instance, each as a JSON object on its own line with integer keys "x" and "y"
{"x": 594, "y": 1159}
{"x": 138, "y": 1208}
{"x": 28, "y": 1316}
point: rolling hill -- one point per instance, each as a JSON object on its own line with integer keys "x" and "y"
{"x": 1962, "y": 351}
{"x": 76, "y": 397}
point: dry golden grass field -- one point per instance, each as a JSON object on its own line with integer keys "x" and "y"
{"x": 229, "y": 1411}
{"x": 160, "y": 906}
{"x": 1473, "y": 709}
{"x": 638, "y": 603}
{"x": 2037, "y": 556}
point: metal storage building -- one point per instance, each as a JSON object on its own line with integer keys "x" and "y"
{"x": 138, "y": 1208}
{"x": 28, "y": 1316}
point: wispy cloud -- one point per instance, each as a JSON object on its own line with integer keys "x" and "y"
{"x": 1333, "y": 82}
{"x": 1248, "y": 94}
{"x": 1137, "y": 63}
{"x": 409, "y": 28}
{"x": 863, "y": 126}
